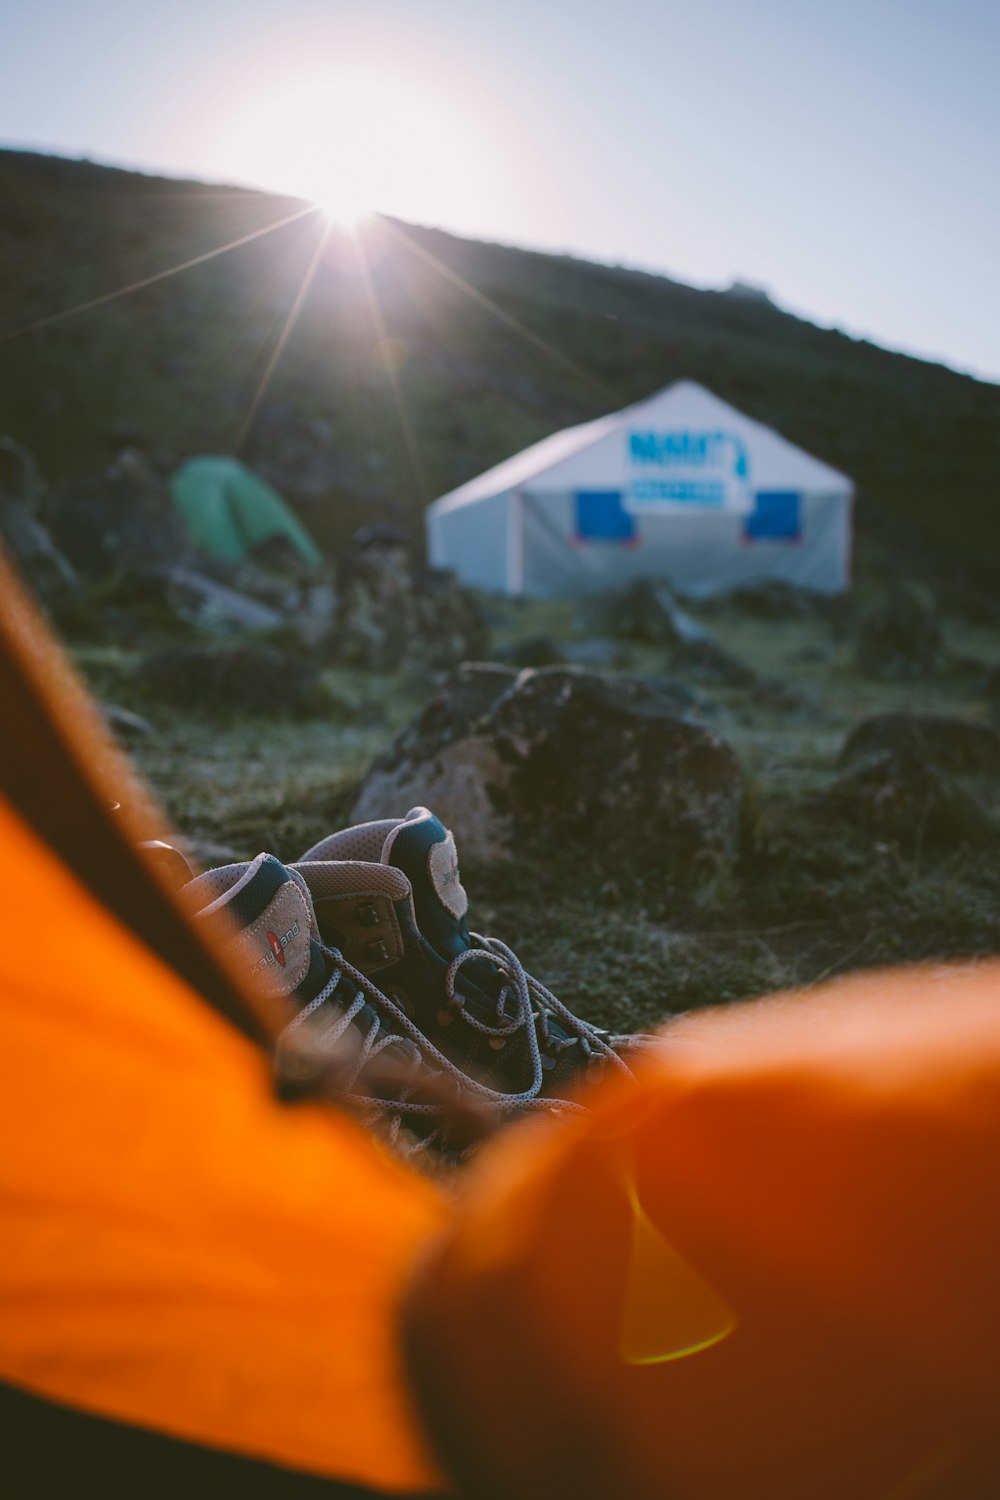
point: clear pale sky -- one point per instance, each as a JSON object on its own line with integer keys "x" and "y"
{"x": 845, "y": 154}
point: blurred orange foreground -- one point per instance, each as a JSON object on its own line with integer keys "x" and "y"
{"x": 770, "y": 1268}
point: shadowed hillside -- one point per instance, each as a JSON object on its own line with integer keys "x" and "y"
{"x": 419, "y": 359}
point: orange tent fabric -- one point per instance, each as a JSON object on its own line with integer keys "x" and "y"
{"x": 770, "y": 1269}
{"x": 767, "y": 1269}
{"x": 181, "y": 1251}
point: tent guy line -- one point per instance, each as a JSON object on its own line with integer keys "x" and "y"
{"x": 136, "y": 286}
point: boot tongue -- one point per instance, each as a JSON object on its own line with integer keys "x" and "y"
{"x": 425, "y": 851}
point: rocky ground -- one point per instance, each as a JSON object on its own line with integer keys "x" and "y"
{"x": 658, "y": 808}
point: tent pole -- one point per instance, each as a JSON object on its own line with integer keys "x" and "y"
{"x": 515, "y": 546}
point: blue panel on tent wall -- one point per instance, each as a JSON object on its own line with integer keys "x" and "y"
{"x": 601, "y": 517}
{"x": 776, "y": 517}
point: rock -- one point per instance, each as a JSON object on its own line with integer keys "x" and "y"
{"x": 119, "y": 522}
{"x": 950, "y": 744}
{"x": 313, "y": 613}
{"x": 202, "y": 601}
{"x": 647, "y": 611}
{"x": 23, "y": 529}
{"x": 773, "y": 599}
{"x": 900, "y": 636}
{"x": 745, "y": 291}
{"x": 454, "y": 712}
{"x": 125, "y": 724}
{"x": 251, "y": 678}
{"x": 606, "y": 764}
{"x": 390, "y": 615}
{"x": 276, "y": 581}
{"x": 901, "y": 795}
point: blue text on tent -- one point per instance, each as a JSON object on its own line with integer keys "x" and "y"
{"x": 706, "y": 492}
{"x": 690, "y": 450}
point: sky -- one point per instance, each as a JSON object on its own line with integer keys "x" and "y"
{"x": 843, "y": 154}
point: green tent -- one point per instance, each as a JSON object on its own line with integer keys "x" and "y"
{"x": 230, "y": 511}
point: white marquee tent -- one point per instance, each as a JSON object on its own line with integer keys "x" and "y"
{"x": 680, "y": 486}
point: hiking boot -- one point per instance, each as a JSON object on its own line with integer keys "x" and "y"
{"x": 388, "y": 895}
{"x": 342, "y": 1033}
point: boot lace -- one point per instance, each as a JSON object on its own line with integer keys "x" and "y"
{"x": 391, "y": 1027}
{"x": 534, "y": 1007}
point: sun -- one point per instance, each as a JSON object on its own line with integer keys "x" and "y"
{"x": 360, "y": 139}
{"x": 342, "y": 207}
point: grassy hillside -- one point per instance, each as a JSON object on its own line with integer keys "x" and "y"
{"x": 445, "y": 356}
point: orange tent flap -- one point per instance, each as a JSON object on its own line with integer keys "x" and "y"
{"x": 770, "y": 1269}
{"x": 180, "y": 1250}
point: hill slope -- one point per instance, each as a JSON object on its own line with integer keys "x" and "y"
{"x": 441, "y": 356}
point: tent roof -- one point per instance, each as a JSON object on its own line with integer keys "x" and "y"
{"x": 684, "y": 401}
{"x": 520, "y": 469}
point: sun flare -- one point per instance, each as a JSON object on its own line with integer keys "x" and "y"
{"x": 357, "y": 140}
{"x": 343, "y": 209}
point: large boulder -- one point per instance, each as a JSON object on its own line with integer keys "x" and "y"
{"x": 561, "y": 754}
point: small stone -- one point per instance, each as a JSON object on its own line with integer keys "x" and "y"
{"x": 124, "y": 723}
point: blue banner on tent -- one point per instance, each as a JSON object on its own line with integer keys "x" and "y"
{"x": 601, "y": 517}
{"x": 776, "y": 517}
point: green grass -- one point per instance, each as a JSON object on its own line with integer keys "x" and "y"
{"x": 810, "y": 896}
